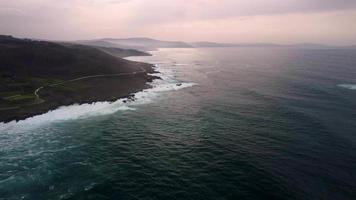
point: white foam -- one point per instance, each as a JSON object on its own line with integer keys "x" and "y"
{"x": 348, "y": 86}
{"x": 73, "y": 112}
{"x": 67, "y": 113}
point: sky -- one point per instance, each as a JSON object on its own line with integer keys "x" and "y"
{"x": 239, "y": 21}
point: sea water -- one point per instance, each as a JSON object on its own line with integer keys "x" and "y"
{"x": 221, "y": 123}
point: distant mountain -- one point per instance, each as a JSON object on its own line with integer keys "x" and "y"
{"x": 102, "y": 43}
{"x": 135, "y": 43}
{"x": 317, "y": 46}
{"x": 297, "y": 46}
{"x": 122, "y": 53}
{"x": 41, "y": 58}
{"x": 214, "y": 44}
{"x": 114, "y": 51}
{"x": 210, "y": 44}
{"x": 146, "y": 44}
{"x": 309, "y": 46}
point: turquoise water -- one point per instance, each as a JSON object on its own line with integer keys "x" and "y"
{"x": 234, "y": 123}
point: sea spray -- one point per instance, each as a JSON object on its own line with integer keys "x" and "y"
{"x": 348, "y": 86}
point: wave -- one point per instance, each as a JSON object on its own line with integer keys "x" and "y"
{"x": 71, "y": 112}
{"x": 76, "y": 111}
{"x": 348, "y": 86}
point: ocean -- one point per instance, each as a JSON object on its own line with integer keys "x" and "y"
{"x": 222, "y": 123}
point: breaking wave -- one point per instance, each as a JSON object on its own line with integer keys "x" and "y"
{"x": 164, "y": 84}
{"x": 348, "y": 86}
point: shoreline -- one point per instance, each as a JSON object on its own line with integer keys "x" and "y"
{"x": 160, "y": 82}
{"x": 40, "y": 76}
{"x": 101, "y": 88}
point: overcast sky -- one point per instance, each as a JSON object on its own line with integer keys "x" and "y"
{"x": 277, "y": 21}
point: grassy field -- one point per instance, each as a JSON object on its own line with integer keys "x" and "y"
{"x": 19, "y": 97}
{"x": 17, "y": 93}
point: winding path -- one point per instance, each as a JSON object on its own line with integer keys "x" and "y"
{"x": 38, "y": 99}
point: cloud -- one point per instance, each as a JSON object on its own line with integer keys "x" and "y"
{"x": 178, "y": 10}
{"x": 335, "y": 27}
{"x": 80, "y": 19}
{"x": 10, "y": 11}
{"x": 118, "y": 1}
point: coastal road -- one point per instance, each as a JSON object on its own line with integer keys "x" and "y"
{"x": 38, "y": 99}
